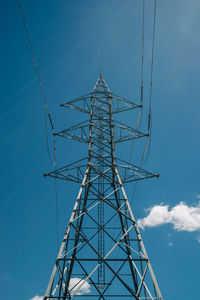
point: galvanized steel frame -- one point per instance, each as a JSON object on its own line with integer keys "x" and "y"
{"x": 102, "y": 191}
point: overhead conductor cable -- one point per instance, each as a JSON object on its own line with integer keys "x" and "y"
{"x": 144, "y": 160}
{"x": 47, "y": 113}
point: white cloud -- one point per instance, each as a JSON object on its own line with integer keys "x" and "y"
{"x": 37, "y": 298}
{"x": 198, "y": 238}
{"x": 181, "y": 216}
{"x": 76, "y": 283}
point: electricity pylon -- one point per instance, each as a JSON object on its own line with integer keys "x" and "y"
{"x": 102, "y": 254}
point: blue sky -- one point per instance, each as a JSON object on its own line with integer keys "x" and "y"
{"x": 65, "y": 35}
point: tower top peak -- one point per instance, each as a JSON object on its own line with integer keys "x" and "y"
{"x": 101, "y": 85}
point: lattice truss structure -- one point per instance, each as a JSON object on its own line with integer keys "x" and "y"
{"x": 102, "y": 254}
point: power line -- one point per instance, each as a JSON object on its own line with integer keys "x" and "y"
{"x": 47, "y": 113}
{"x": 148, "y": 140}
{"x": 150, "y": 92}
{"x": 142, "y": 63}
{"x": 56, "y": 195}
{"x": 139, "y": 121}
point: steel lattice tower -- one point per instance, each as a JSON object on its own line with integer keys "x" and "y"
{"x": 102, "y": 254}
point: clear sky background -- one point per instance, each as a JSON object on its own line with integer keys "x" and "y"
{"x": 65, "y": 35}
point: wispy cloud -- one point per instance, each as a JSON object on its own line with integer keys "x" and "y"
{"x": 181, "y": 216}
{"x": 37, "y": 298}
{"x": 76, "y": 284}
{"x": 198, "y": 238}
